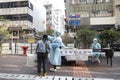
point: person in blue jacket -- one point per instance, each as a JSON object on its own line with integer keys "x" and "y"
{"x": 55, "y": 46}
{"x": 42, "y": 50}
{"x": 96, "y": 46}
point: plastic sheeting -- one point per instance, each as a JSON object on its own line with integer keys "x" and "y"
{"x": 31, "y": 59}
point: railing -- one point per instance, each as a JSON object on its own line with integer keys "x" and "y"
{"x": 16, "y": 48}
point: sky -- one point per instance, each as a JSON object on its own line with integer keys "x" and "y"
{"x": 57, "y": 4}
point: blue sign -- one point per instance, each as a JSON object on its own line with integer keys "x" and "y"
{"x": 74, "y": 20}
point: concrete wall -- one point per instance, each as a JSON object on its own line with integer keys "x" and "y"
{"x": 117, "y": 2}
{"x": 102, "y": 20}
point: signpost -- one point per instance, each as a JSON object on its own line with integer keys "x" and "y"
{"x": 74, "y": 20}
{"x": 31, "y": 40}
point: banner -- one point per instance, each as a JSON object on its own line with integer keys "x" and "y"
{"x": 76, "y": 54}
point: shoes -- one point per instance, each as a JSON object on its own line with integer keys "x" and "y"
{"x": 45, "y": 74}
{"x": 98, "y": 60}
{"x": 52, "y": 69}
{"x": 38, "y": 74}
{"x": 57, "y": 67}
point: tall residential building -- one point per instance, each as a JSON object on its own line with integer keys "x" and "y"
{"x": 54, "y": 18}
{"x": 96, "y": 14}
{"x": 23, "y": 16}
{"x": 48, "y": 16}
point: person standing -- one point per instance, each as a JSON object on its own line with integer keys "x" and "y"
{"x": 96, "y": 48}
{"x": 55, "y": 54}
{"x": 42, "y": 50}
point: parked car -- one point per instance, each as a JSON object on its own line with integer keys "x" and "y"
{"x": 116, "y": 46}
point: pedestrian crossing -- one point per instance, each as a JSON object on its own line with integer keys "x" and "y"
{"x": 35, "y": 77}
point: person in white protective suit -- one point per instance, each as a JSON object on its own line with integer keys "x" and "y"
{"x": 96, "y": 50}
{"x": 55, "y": 54}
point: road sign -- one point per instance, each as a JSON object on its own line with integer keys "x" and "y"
{"x": 74, "y": 20}
{"x": 31, "y": 40}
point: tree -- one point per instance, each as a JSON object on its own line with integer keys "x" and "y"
{"x": 3, "y": 29}
{"x": 109, "y": 36}
{"x": 67, "y": 39}
{"x": 85, "y": 36}
{"x": 49, "y": 31}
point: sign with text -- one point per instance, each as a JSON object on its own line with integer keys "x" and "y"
{"x": 31, "y": 40}
{"x": 74, "y": 20}
{"x": 76, "y": 54}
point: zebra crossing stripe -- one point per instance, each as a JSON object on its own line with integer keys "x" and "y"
{"x": 17, "y": 76}
{"x": 34, "y": 77}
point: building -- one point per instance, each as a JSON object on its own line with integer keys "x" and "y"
{"x": 95, "y": 14}
{"x": 23, "y": 17}
{"x": 54, "y": 19}
{"x": 117, "y": 14}
{"x": 48, "y": 16}
{"x": 58, "y": 21}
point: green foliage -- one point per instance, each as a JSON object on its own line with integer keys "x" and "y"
{"x": 48, "y": 32}
{"x": 109, "y": 36}
{"x": 67, "y": 39}
{"x": 2, "y": 19}
{"x": 3, "y": 29}
{"x": 85, "y": 36}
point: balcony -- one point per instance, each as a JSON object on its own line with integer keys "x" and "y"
{"x": 117, "y": 2}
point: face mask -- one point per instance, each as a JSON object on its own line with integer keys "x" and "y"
{"x": 95, "y": 41}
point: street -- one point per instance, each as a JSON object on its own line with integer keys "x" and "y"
{"x": 14, "y": 67}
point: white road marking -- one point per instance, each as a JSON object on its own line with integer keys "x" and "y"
{"x": 35, "y": 77}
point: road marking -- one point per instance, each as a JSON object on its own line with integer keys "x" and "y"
{"x": 35, "y": 77}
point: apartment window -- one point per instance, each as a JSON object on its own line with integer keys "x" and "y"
{"x": 119, "y": 9}
{"x": 107, "y": 0}
{"x": 89, "y": 1}
{"x": 64, "y": 1}
{"x": 24, "y": 3}
{"x": 18, "y": 17}
{"x": 14, "y": 4}
{"x": 30, "y": 6}
{"x": 72, "y": 1}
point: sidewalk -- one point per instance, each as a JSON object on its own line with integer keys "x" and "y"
{"x": 16, "y": 65}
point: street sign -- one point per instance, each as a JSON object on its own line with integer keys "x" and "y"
{"x": 74, "y": 20}
{"x": 31, "y": 40}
